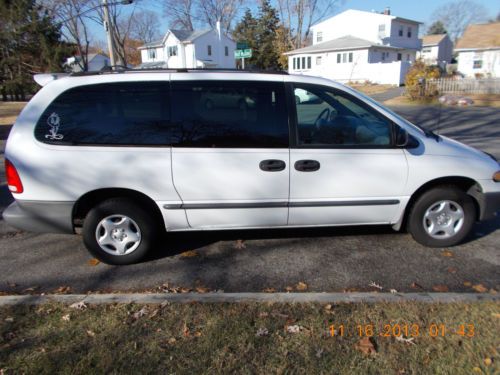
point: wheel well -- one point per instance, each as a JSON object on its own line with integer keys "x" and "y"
{"x": 463, "y": 183}
{"x": 93, "y": 198}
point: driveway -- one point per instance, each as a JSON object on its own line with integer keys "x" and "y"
{"x": 331, "y": 259}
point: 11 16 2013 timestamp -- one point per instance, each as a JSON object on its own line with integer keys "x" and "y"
{"x": 401, "y": 329}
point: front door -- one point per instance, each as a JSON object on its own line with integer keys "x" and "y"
{"x": 230, "y": 157}
{"x": 344, "y": 168}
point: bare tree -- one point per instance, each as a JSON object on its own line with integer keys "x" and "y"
{"x": 144, "y": 26}
{"x": 180, "y": 13}
{"x": 74, "y": 26}
{"x": 457, "y": 15}
{"x": 224, "y": 11}
{"x": 299, "y": 15}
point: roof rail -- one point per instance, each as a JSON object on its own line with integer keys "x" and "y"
{"x": 124, "y": 69}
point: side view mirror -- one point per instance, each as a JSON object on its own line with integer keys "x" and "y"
{"x": 405, "y": 140}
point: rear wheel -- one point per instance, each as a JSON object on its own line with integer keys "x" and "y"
{"x": 441, "y": 217}
{"x": 119, "y": 231}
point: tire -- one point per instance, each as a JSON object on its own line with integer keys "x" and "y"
{"x": 442, "y": 217}
{"x": 126, "y": 230}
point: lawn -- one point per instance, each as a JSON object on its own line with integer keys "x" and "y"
{"x": 9, "y": 112}
{"x": 251, "y": 338}
{"x": 370, "y": 89}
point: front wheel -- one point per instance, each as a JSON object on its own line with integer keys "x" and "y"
{"x": 442, "y": 217}
{"x": 119, "y": 231}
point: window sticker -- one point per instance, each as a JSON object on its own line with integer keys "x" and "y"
{"x": 54, "y": 121}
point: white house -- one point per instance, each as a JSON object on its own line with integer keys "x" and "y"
{"x": 96, "y": 61}
{"x": 436, "y": 50}
{"x": 479, "y": 50}
{"x": 359, "y": 46}
{"x": 190, "y": 49}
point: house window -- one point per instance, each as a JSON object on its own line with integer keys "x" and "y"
{"x": 318, "y": 60}
{"x": 350, "y": 57}
{"x": 319, "y": 36}
{"x": 209, "y": 50}
{"x": 338, "y": 58}
{"x": 226, "y": 50}
{"x": 172, "y": 51}
{"x": 309, "y": 62}
{"x": 383, "y": 56}
{"x": 400, "y": 32}
{"x": 478, "y": 64}
{"x": 344, "y": 57}
{"x": 303, "y": 63}
{"x": 294, "y": 63}
{"x": 151, "y": 54}
{"x": 426, "y": 49}
{"x": 381, "y": 28}
{"x": 409, "y": 32}
{"x": 400, "y": 57}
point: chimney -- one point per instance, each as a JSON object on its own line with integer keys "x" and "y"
{"x": 387, "y": 11}
{"x": 217, "y": 26}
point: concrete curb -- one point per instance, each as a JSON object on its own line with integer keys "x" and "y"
{"x": 247, "y": 297}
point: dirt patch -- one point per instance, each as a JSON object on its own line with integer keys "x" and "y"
{"x": 9, "y": 112}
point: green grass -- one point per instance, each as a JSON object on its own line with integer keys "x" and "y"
{"x": 221, "y": 338}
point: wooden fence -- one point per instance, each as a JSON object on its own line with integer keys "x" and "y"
{"x": 464, "y": 86}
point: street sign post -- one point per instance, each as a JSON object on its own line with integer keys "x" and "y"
{"x": 243, "y": 54}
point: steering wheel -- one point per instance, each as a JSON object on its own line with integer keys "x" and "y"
{"x": 324, "y": 113}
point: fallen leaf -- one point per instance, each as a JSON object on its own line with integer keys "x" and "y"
{"x": 31, "y": 289}
{"x": 201, "y": 289}
{"x": 9, "y": 319}
{"x": 239, "y": 245}
{"x": 63, "y": 290}
{"x": 189, "y": 254}
{"x": 467, "y": 283}
{"x": 66, "y": 317}
{"x": 269, "y": 290}
{"x": 185, "y": 330}
{"x": 446, "y": 253}
{"x": 365, "y": 346}
{"x": 78, "y": 305}
{"x": 197, "y": 334}
{"x": 266, "y": 314}
{"x": 94, "y": 262}
{"x": 172, "y": 340}
{"x": 293, "y": 329}
{"x": 440, "y": 288}
{"x": 495, "y": 315}
{"x": 375, "y": 285}
{"x": 319, "y": 352}
{"x": 406, "y": 340}
{"x": 477, "y": 370}
{"x": 488, "y": 361}
{"x": 452, "y": 270}
{"x": 393, "y": 291}
{"x": 90, "y": 333}
{"x": 262, "y": 332}
{"x": 154, "y": 313}
{"x": 480, "y": 288}
{"x": 328, "y": 307}
{"x": 301, "y": 286}
{"x": 415, "y": 285}
{"x": 139, "y": 314}
{"x": 493, "y": 291}
{"x": 289, "y": 288}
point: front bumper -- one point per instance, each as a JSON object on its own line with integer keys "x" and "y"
{"x": 489, "y": 204}
{"x": 42, "y": 217}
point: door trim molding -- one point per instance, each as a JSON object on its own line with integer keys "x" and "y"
{"x": 201, "y": 206}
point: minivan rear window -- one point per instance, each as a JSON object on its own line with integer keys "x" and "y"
{"x": 227, "y": 114}
{"x": 124, "y": 113}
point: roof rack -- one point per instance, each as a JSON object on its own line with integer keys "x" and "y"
{"x": 123, "y": 69}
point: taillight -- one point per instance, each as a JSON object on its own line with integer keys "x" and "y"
{"x": 13, "y": 180}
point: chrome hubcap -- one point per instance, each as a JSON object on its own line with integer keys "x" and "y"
{"x": 118, "y": 235}
{"x": 443, "y": 219}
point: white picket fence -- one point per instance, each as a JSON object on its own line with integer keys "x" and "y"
{"x": 464, "y": 86}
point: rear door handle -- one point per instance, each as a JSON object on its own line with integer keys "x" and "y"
{"x": 307, "y": 165}
{"x": 272, "y": 165}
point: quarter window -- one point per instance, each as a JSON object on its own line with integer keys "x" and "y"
{"x": 328, "y": 117}
{"x": 229, "y": 114}
{"x": 209, "y": 50}
{"x": 108, "y": 114}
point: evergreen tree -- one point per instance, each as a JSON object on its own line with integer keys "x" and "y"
{"x": 436, "y": 28}
{"x": 246, "y": 31}
{"x": 267, "y": 24}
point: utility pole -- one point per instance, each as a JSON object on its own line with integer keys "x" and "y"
{"x": 107, "y": 27}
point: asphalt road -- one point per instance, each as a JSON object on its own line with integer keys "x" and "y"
{"x": 332, "y": 259}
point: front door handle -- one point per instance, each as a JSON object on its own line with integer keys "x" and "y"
{"x": 307, "y": 165}
{"x": 272, "y": 165}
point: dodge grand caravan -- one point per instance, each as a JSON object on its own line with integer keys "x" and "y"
{"x": 124, "y": 156}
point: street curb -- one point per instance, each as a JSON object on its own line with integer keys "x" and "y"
{"x": 246, "y": 297}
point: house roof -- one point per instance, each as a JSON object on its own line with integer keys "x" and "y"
{"x": 481, "y": 36}
{"x": 343, "y": 43}
{"x": 432, "y": 40}
{"x": 189, "y": 35}
{"x": 373, "y": 13}
{"x": 154, "y": 43}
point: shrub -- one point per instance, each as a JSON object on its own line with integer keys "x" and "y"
{"x": 413, "y": 88}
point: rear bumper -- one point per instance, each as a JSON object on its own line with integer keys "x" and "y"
{"x": 42, "y": 217}
{"x": 489, "y": 204}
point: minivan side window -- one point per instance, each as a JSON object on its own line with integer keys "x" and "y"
{"x": 124, "y": 113}
{"x": 229, "y": 114}
{"x": 327, "y": 117}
